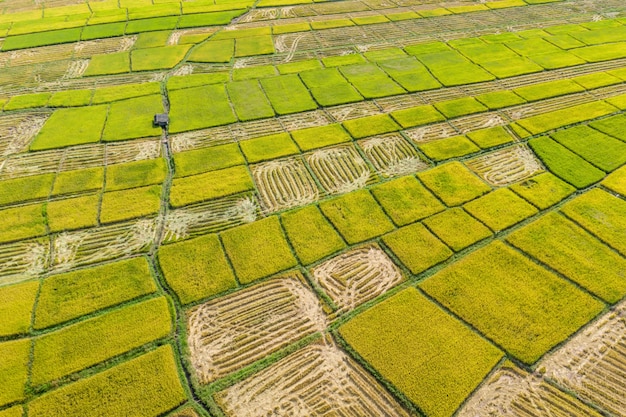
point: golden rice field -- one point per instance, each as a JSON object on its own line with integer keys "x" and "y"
{"x": 354, "y": 208}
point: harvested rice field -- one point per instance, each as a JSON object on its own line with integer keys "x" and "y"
{"x": 411, "y": 208}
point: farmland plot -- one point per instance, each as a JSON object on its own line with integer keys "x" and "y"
{"x": 309, "y": 382}
{"x": 242, "y": 328}
{"x": 358, "y": 208}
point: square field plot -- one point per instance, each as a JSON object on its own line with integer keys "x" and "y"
{"x": 199, "y": 107}
{"x": 453, "y": 183}
{"x": 330, "y": 380}
{"x": 416, "y": 247}
{"x": 310, "y": 234}
{"x": 22, "y": 222}
{"x": 164, "y": 57}
{"x": 287, "y": 94}
{"x": 329, "y": 87}
{"x": 517, "y": 304}
{"x": 445, "y": 363}
{"x": 575, "y": 253}
{"x": 357, "y": 276}
{"x": 236, "y": 330}
{"x": 602, "y": 214}
{"x": 405, "y": 200}
{"x": 457, "y": 228}
{"x": 500, "y": 209}
{"x": 357, "y": 216}
{"x": 249, "y": 100}
{"x": 340, "y": 169}
{"x": 392, "y": 155}
{"x": 132, "y": 118}
{"x": 409, "y": 73}
{"x": 258, "y": 249}
{"x": 73, "y": 213}
{"x": 543, "y": 190}
{"x": 614, "y": 126}
{"x": 284, "y": 184}
{"x": 196, "y": 268}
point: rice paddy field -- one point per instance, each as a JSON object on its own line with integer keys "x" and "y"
{"x": 357, "y": 208}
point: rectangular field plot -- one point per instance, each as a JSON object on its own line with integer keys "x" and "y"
{"x": 16, "y": 306}
{"x": 601, "y": 213}
{"x": 357, "y": 276}
{"x": 145, "y": 386}
{"x": 22, "y": 222}
{"x": 506, "y": 166}
{"x": 67, "y": 296}
{"x": 329, "y": 87}
{"x": 445, "y": 363}
{"x": 211, "y": 185}
{"x": 284, "y": 183}
{"x": 13, "y": 370}
{"x": 603, "y": 151}
{"x": 575, "y": 253}
{"x": 23, "y": 189}
{"x": 568, "y": 116}
{"x": 357, "y": 216}
{"x": 199, "y": 107}
{"x": 210, "y": 217}
{"x": 196, "y": 268}
{"x": 592, "y": 363}
{"x": 89, "y": 342}
{"x": 287, "y": 94}
{"x": 405, "y": 200}
{"x": 616, "y": 182}
{"x": 565, "y": 164}
{"x": 84, "y": 247}
{"x": 202, "y": 160}
{"x": 392, "y": 155}
{"x": 132, "y": 118}
{"x": 543, "y": 190}
{"x": 311, "y": 235}
{"x": 500, "y": 209}
{"x": 522, "y": 307}
{"x": 339, "y": 169}
{"x": 453, "y": 183}
{"x": 511, "y": 391}
{"x": 68, "y": 127}
{"x": 241, "y": 328}
{"x": 311, "y": 381}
